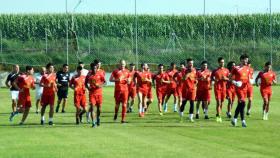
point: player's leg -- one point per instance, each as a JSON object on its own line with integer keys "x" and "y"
{"x": 166, "y": 101}
{"x": 98, "y": 112}
{"x": 64, "y": 102}
{"x": 191, "y": 110}
{"x": 175, "y": 101}
{"x": 197, "y": 109}
{"x": 93, "y": 115}
{"x": 59, "y": 99}
{"x": 140, "y": 102}
{"x": 43, "y": 109}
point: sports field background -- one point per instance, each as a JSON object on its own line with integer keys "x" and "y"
{"x": 152, "y": 136}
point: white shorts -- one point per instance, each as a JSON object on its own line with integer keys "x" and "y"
{"x": 14, "y": 95}
{"x": 38, "y": 95}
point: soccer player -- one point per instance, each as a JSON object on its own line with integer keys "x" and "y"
{"x": 99, "y": 69}
{"x": 241, "y": 81}
{"x": 189, "y": 88}
{"x": 23, "y": 83}
{"x": 203, "y": 89}
{"x": 144, "y": 80}
{"x": 63, "y": 78}
{"x": 38, "y": 88}
{"x": 220, "y": 78}
{"x": 48, "y": 82}
{"x": 78, "y": 84}
{"x": 162, "y": 81}
{"x": 178, "y": 78}
{"x": 121, "y": 78}
{"x": 94, "y": 83}
{"x": 230, "y": 90}
{"x": 267, "y": 77}
{"x": 250, "y": 89}
{"x": 14, "y": 92}
{"x": 131, "y": 88}
{"x": 172, "y": 88}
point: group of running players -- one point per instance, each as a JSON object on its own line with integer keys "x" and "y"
{"x": 186, "y": 84}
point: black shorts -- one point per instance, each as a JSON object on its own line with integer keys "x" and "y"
{"x": 62, "y": 93}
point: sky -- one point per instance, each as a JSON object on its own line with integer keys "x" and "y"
{"x": 192, "y": 7}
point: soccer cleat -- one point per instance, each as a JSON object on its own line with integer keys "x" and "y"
{"x": 220, "y": 120}
{"x": 233, "y": 123}
{"x": 57, "y": 109}
{"x": 11, "y": 116}
{"x": 81, "y": 118}
{"x": 264, "y": 118}
{"x": 98, "y": 121}
{"x": 42, "y": 122}
{"x": 93, "y": 125}
{"x": 206, "y": 117}
{"x": 244, "y": 124}
{"x": 191, "y": 120}
{"x": 217, "y": 119}
{"x": 175, "y": 109}
{"x": 115, "y": 117}
{"x": 161, "y": 114}
{"x": 63, "y": 111}
{"x": 196, "y": 116}
{"x": 248, "y": 114}
{"x": 21, "y": 123}
{"x": 77, "y": 121}
{"x": 165, "y": 107}
{"x": 51, "y": 123}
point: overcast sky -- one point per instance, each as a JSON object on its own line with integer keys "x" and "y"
{"x": 143, "y": 6}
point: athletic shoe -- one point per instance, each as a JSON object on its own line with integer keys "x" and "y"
{"x": 42, "y": 122}
{"x": 206, "y": 117}
{"x": 233, "y": 123}
{"x": 165, "y": 107}
{"x": 57, "y": 109}
{"x": 175, "y": 109}
{"x": 217, "y": 119}
{"x": 191, "y": 120}
{"x": 115, "y": 117}
{"x": 244, "y": 124}
{"x": 63, "y": 111}
{"x": 21, "y": 123}
{"x": 12, "y": 116}
{"x": 81, "y": 118}
{"x": 248, "y": 114}
{"x": 161, "y": 114}
{"x": 51, "y": 123}
{"x": 93, "y": 125}
{"x": 228, "y": 115}
{"x": 196, "y": 116}
{"x": 77, "y": 121}
{"x": 220, "y": 120}
{"x": 264, "y": 118}
{"x": 98, "y": 121}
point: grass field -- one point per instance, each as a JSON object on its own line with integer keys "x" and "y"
{"x": 152, "y": 136}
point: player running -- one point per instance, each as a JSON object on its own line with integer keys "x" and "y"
{"x": 78, "y": 84}
{"x": 131, "y": 88}
{"x": 241, "y": 82}
{"x": 144, "y": 80}
{"x": 23, "y": 83}
{"x": 189, "y": 89}
{"x": 220, "y": 77}
{"x": 14, "y": 92}
{"x": 38, "y": 88}
{"x": 267, "y": 77}
{"x": 63, "y": 78}
{"x": 162, "y": 81}
{"x": 48, "y": 82}
{"x": 250, "y": 89}
{"x": 178, "y": 79}
{"x": 94, "y": 83}
{"x": 203, "y": 93}
{"x": 230, "y": 90}
{"x": 171, "y": 88}
{"x": 121, "y": 78}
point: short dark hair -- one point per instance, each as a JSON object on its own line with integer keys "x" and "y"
{"x": 79, "y": 68}
{"x": 49, "y": 65}
{"x": 204, "y": 62}
{"x": 243, "y": 56}
{"x": 96, "y": 61}
{"x": 189, "y": 59}
{"x": 80, "y": 62}
{"x": 159, "y": 65}
{"x": 92, "y": 65}
{"x": 220, "y": 59}
{"x": 64, "y": 65}
{"x": 182, "y": 63}
{"x": 229, "y": 64}
{"x": 268, "y": 63}
{"x": 131, "y": 64}
{"x": 172, "y": 64}
{"x": 28, "y": 67}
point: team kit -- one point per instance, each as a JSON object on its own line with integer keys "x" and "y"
{"x": 232, "y": 83}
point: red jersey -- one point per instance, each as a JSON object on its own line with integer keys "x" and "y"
{"x": 122, "y": 76}
{"x": 171, "y": 74}
{"x": 204, "y": 79}
{"x": 218, "y": 76}
{"x": 141, "y": 77}
{"x": 25, "y": 82}
{"x": 49, "y": 79}
{"x": 132, "y": 83}
{"x": 189, "y": 78}
{"x": 160, "y": 86}
{"x": 241, "y": 74}
{"x": 267, "y": 79}
{"x": 94, "y": 81}
{"x": 79, "y": 84}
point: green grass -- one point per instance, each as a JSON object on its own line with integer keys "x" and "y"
{"x": 152, "y": 136}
